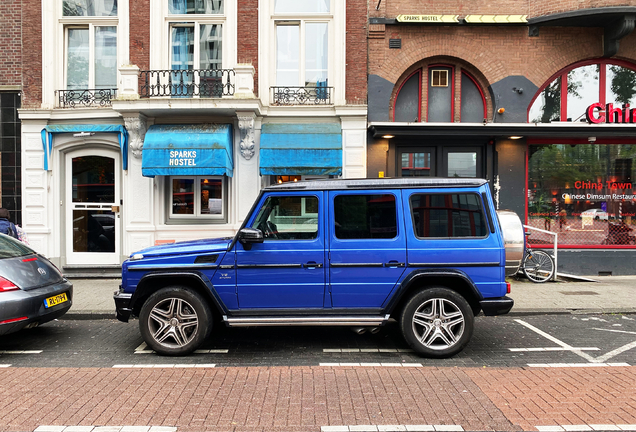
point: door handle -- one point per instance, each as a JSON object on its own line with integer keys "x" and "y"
{"x": 394, "y": 264}
{"x": 312, "y": 264}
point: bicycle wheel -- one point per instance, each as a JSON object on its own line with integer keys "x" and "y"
{"x": 538, "y": 266}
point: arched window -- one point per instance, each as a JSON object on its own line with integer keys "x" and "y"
{"x": 567, "y": 94}
{"x": 436, "y": 102}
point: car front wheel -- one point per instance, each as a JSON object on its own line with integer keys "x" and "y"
{"x": 437, "y": 322}
{"x": 175, "y": 321}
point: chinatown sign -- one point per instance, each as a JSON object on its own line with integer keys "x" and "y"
{"x": 598, "y": 113}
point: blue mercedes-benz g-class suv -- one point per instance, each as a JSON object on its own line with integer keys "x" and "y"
{"x": 429, "y": 253}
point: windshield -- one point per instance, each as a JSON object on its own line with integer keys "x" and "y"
{"x": 11, "y": 248}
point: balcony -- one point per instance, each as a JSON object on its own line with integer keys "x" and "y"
{"x": 320, "y": 95}
{"x": 196, "y": 83}
{"x": 97, "y": 98}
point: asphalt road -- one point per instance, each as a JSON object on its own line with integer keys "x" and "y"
{"x": 497, "y": 342}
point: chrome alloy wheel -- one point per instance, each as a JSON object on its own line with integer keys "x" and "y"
{"x": 173, "y": 322}
{"x": 438, "y": 324}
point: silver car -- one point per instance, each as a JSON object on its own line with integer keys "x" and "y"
{"x": 32, "y": 290}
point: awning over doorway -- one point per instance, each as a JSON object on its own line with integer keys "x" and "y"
{"x": 89, "y": 129}
{"x": 204, "y": 149}
{"x": 301, "y": 149}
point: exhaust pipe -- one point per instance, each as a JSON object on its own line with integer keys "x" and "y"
{"x": 374, "y": 330}
{"x": 359, "y": 330}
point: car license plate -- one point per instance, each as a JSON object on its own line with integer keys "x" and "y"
{"x": 55, "y": 300}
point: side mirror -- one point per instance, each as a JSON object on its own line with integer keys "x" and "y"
{"x": 247, "y": 236}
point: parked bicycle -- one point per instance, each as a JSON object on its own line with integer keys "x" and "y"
{"x": 538, "y": 266}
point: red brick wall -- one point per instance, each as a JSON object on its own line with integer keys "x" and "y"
{"x": 140, "y": 33}
{"x": 248, "y": 36}
{"x": 356, "y": 55}
{"x": 546, "y": 7}
{"x": 11, "y": 51}
{"x": 31, "y": 52}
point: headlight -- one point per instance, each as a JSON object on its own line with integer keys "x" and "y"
{"x": 137, "y": 257}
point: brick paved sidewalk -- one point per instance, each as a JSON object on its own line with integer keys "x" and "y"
{"x": 304, "y": 399}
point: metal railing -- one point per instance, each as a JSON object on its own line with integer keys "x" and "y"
{"x": 554, "y": 246}
{"x": 85, "y": 98}
{"x": 194, "y": 83}
{"x": 302, "y": 95}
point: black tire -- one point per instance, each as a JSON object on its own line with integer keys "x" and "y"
{"x": 538, "y": 266}
{"x": 175, "y": 321}
{"x": 437, "y": 322}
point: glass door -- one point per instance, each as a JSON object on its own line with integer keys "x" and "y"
{"x": 92, "y": 204}
{"x": 416, "y": 162}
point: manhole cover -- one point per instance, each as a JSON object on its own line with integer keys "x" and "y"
{"x": 579, "y": 293}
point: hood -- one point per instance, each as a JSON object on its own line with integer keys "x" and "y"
{"x": 187, "y": 247}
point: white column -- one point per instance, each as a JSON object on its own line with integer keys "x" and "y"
{"x": 246, "y": 172}
{"x": 354, "y": 142}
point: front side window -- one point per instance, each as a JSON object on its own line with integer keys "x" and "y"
{"x": 567, "y": 96}
{"x": 429, "y": 94}
{"x": 91, "y": 57}
{"x": 447, "y": 215}
{"x": 288, "y": 218}
{"x": 365, "y": 216}
{"x": 201, "y": 197}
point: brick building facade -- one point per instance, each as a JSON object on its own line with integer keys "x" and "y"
{"x": 504, "y": 91}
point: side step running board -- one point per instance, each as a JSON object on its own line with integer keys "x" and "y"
{"x": 361, "y": 320}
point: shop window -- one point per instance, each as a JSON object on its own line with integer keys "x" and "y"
{"x": 197, "y": 198}
{"x": 365, "y": 216}
{"x": 566, "y": 96}
{"x": 439, "y": 97}
{"x": 584, "y": 192}
{"x": 292, "y": 217}
{"x": 447, "y": 216}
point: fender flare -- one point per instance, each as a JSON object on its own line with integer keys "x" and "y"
{"x": 418, "y": 275}
{"x": 200, "y": 278}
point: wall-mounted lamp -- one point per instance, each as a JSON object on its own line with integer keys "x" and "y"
{"x": 388, "y": 136}
{"x": 501, "y": 110}
{"x": 591, "y": 140}
{"x": 83, "y": 134}
{"x": 515, "y": 137}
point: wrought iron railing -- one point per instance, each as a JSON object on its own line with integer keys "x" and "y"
{"x": 85, "y": 98}
{"x": 302, "y": 95}
{"x": 203, "y": 83}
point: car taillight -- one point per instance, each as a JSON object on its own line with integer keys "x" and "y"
{"x": 7, "y": 285}
{"x": 507, "y": 287}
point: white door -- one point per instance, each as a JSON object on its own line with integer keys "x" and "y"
{"x": 92, "y": 207}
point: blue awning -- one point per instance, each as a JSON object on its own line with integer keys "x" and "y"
{"x": 301, "y": 149}
{"x": 204, "y": 149}
{"x": 48, "y": 131}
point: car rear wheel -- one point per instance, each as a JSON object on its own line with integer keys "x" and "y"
{"x": 437, "y": 322}
{"x": 175, "y": 321}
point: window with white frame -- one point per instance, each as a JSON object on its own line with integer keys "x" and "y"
{"x": 195, "y": 30}
{"x": 200, "y": 197}
{"x": 302, "y": 30}
{"x": 90, "y": 44}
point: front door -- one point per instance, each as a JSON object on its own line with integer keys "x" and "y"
{"x": 287, "y": 270}
{"x": 92, "y": 190}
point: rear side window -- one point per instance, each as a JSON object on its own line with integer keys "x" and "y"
{"x": 447, "y": 215}
{"x": 365, "y": 216}
{"x": 11, "y": 248}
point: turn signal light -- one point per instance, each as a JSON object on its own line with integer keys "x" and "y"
{"x": 7, "y": 285}
{"x": 507, "y": 287}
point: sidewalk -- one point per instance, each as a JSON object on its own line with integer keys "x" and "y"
{"x": 93, "y": 298}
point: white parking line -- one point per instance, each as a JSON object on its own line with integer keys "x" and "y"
{"x": 4, "y": 365}
{"x": 574, "y": 365}
{"x": 615, "y": 331}
{"x": 553, "y": 349}
{"x": 22, "y": 352}
{"x": 141, "y": 349}
{"x": 159, "y": 366}
{"x": 365, "y": 350}
{"x": 372, "y": 364}
{"x": 602, "y": 359}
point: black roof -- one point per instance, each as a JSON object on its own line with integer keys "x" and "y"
{"x": 384, "y": 183}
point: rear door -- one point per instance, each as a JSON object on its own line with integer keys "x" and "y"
{"x": 367, "y": 247}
